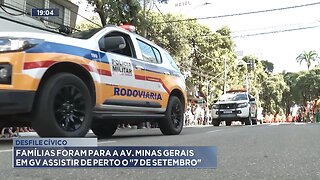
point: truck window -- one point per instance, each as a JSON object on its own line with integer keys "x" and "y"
{"x": 171, "y": 61}
{"x": 149, "y": 53}
{"x": 128, "y": 50}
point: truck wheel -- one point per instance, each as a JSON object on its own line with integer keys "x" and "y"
{"x": 216, "y": 122}
{"x": 254, "y": 122}
{"x": 102, "y": 128}
{"x": 248, "y": 121}
{"x": 173, "y": 122}
{"x": 228, "y": 123}
{"x": 64, "y": 107}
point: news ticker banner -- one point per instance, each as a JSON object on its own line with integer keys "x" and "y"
{"x": 36, "y": 154}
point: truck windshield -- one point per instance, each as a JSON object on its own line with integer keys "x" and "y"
{"x": 234, "y": 97}
{"x": 85, "y": 34}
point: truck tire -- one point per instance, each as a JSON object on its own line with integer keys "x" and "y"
{"x": 248, "y": 120}
{"x": 63, "y": 107}
{"x": 172, "y": 124}
{"x": 103, "y": 128}
{"x": 254, "y": 122}
{"x": 228, "y": 123}
{"x": 216, "y": 122}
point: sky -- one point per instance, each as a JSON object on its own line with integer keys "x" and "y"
{"x": 279, "y": 48}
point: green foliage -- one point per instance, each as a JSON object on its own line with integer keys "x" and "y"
{"x": 290, "y": 97}
{"x": 268, "y": 66}
{"x": 117, "y": 11}
{"x": 272, "y": 92}
{"x": 85, "y": 25}
{"x": 197, "y": 50}
{"x": 304, "y": 86}
{"x": 308, "y": 85}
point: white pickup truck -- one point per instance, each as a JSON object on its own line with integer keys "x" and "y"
{"x": 235, "y": 106}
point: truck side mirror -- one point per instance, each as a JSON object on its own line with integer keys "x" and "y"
{"x": 252, "y": 99}
{"x": 112, "y": 43}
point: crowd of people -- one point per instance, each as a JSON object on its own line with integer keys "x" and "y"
{"x": 197, "y": 114}
{"x": 9, "y": 132}
{"x": 279, "y": 118}
{"x": 310, "y": 112}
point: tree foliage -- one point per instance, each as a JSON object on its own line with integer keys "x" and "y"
{"x": 268, "y": 66}
{"x": 117, "y": 11}
{"x": 307, "y": 57}
{"x": 85, "y": 25}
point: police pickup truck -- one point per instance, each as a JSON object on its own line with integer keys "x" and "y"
{"x": 94, "y": 79}
{"x": 235, "y": 106}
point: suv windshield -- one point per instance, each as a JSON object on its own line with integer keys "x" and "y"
{"x": 234, "y": 97}
{"x": 85, "y": 34}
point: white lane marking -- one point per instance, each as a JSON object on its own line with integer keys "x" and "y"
{"x": 274, "y": 124}
{"x": 214, "y": 131}
{"x": 6, "y": 150}
{"x": 278, "y": 124}
{"x": 247, "y": 126}
{"x": 197, "y": 126}
{"x": 106, "y": 142}
{"x": 300, "y": 123}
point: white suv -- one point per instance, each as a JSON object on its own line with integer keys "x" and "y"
{"x": 235, "y": 106}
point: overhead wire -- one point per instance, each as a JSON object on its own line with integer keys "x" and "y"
{"x": 198, "y": 71}
{"x": 277, "y": 31}
{"x": 243, "y": 13}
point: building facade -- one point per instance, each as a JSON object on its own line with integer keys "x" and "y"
{"x": 14, "y": 11}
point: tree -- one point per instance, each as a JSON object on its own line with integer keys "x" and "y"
{"x": 268, "y": 66}
{"x": 198, "y": 51}
{"x": 290, "y": 96}
{"x": 273, "y": 89}
{"x": 308, "y": 57}
{"x": 117, "y": 11}
{"x": 303, "y": 86}
{"x": 308, "y": 85}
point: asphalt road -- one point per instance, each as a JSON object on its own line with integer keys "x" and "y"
{"x": 286, "y": 151}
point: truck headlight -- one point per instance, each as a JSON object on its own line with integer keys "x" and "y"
{"x": 12, "y": 44}
{"x": 5, "y": 73}
{"x": 215, "y": 106}
{"x": 242, "y": 105}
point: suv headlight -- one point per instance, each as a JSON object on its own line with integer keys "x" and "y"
{"x": 215, "y": 106}
{"x": 5, "y": 73}
{"x": 12, "y": 44}
{"x": 242, "y": 105}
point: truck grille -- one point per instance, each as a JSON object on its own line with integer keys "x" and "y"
{"x": 228, "y": 106}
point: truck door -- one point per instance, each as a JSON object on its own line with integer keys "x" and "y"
{"x": 122, "y": 87}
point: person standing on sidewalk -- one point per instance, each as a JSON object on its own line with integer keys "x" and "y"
{"x": 317, "y": 102}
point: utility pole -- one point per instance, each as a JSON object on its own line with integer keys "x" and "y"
{"x": 144, "y": 30}
{"x": 225, "y": 76}
{"x": 247, "y": 82}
